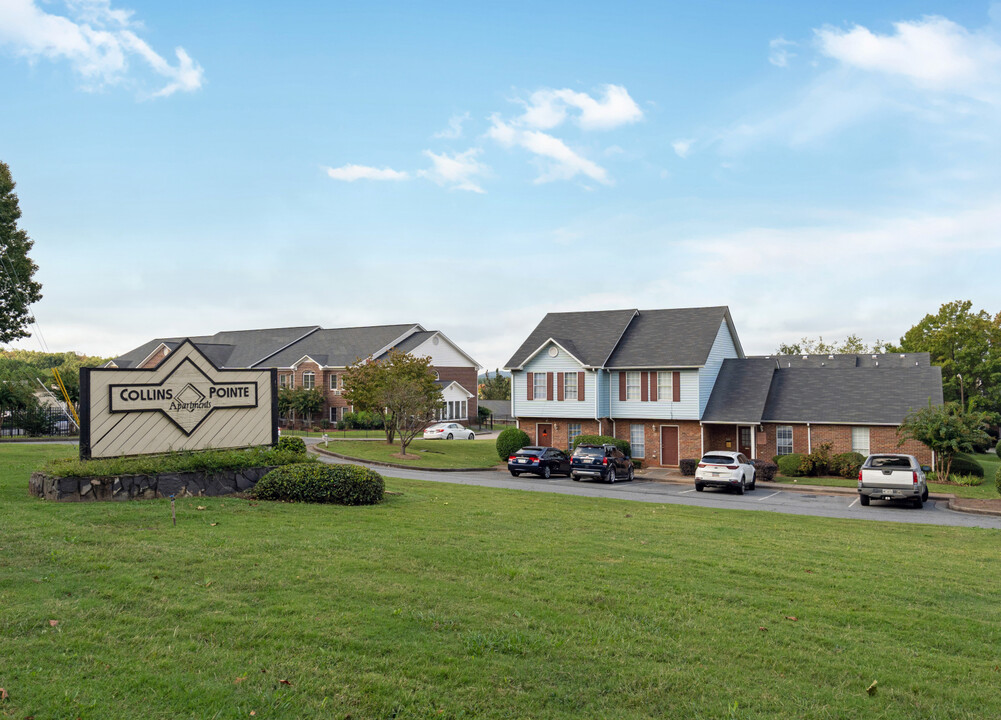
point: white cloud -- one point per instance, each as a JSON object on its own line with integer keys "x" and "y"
{"x": 350, "y": 173}
{"x": 97, "y": 40}
{"x": 548, "y": 108}
{"x": 563, "y": 164}
{"x": 779, "y": 54}
{"x": 682, "y": 147}
{"x": 456, "y": 171}
{"x": 933, "y": 53}
{"x": 454, "y": 129}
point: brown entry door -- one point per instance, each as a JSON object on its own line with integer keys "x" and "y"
{"x": 545, "y": 435}
{"x": 669, "y": 446}
{"x": 744, "y": 446}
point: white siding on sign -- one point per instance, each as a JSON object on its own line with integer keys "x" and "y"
{"x": 664, "y": 409}
{"x": 540, "y": 407}
{"x": 722, "y": 348}
{"x": 444, "y": 354}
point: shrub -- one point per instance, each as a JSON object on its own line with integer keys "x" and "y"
{"x": 764, "y": 470}
{"x": 965, "y": 466}
{"x": 622, "y": 445}
{"x": 361, "y": 420}
{"x": 316, "y": 483}
{"x": 206, "y": 461}
{"x": 510, "y": 441}
{"x": 818, "y": 462}
{"x": 997, "y": 448}
{"x": 847, "y": 464}
{"x": 789, "y": 465}
{"x": 997, "y": 480}
{"x": 292, "y": 444}
{"x": 687, "y": 466}
{"x": 967, "y": 480}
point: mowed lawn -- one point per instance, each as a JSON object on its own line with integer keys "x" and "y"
{"x": 431, "y": 453}
{"x": 462, "y": 602}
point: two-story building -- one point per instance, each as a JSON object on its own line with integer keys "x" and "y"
{"x": 676, "y": 383}
{"x": 314, "y": 357}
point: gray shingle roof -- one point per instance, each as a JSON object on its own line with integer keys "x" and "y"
{"x": 245, "y": 346}
{"x": 741, "y": 391}
{"x": 677, "y": 337}
{"x": 853, "y": 360}
{"x": 592, "y": 335}
{"x": 412, "y": 341}
{"x": 876, "y": 395}
{"x": 339, "y": 346}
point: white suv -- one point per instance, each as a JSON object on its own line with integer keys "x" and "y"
{"x": 725, "y": 469}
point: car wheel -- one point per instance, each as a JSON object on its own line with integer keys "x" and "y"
{"x": 629, "y": 475}
{"x": 611, "y": 475}
{"x": 740, "y": 488}
{"x": 471, "y": 436}
{"x": 515, "y": 474}
{"x": 449, "y": 436}
{"x": 864, "y": 500}
{"x": 924, "y": 495}
{"x": 576, "y": 478}
{"x": 754, "y": 481}
{"x": 546, "y": 472}
{"x": 917, "y": 503}
{"x": 699, "y": 487}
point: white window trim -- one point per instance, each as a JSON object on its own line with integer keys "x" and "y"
{"x": 312, "y": 379}
{"x": 642, "y": 445}
{"x": 868, "y": 440}
{"x": 536, "y": 395}
{"x": 791, "y": 438}
{"x": 638, "y": 386}
{"x": 667, "y": 396}
{"x": 566, "y": 386}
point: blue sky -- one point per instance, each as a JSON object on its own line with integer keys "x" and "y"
{"x": 823, "y": 168}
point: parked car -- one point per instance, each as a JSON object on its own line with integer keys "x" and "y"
{"x": 725, "y": 469}
{"x": 448, "y": 431}
{"x": 889, "y": 476}
{"x": 543, "y": 461}
{"x": 605, "y": 462}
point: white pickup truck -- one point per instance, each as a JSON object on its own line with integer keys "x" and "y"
{"x": 892, "y": 477}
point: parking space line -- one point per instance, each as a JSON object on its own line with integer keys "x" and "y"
{"x": 685, "y": 492}
{"x": 768, "y": 496}
{"x": 853, "y": 503}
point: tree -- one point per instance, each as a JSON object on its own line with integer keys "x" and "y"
{"x": 946, "y": 429}
{"x": 401, "y": 388}
{"x": 967, "y": 346}
{"x": 497, "y": 387}
{"x": 305, "y": 402}
{"x": 852, "y": 344}
{"x": 16, "y": 389}
{"x": 17, "y": 289}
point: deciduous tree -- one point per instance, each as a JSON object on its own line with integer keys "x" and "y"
{"x": 946, "y": 429}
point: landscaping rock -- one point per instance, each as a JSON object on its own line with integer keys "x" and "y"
{"x": 135, "y": 487}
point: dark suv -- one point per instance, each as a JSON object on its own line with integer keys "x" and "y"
{"x": 606, "y": 462}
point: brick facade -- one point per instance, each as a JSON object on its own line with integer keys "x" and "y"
{"x": 689, "y": 438}
{"x": 561, "y": 428}
{"x": 882, "y": 438}
{"x": 465, "y": 376}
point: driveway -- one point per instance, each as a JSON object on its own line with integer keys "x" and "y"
{"x": 781, "y": 501}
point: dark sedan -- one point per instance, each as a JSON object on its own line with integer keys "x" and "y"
{"x": 544, "y": 461}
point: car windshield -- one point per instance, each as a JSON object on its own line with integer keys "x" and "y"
{"x": 890, "y": 462}
{"x": 718, "y": 460}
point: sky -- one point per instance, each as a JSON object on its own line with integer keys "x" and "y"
{"x": 822, "y": 168}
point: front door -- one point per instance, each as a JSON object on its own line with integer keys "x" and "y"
{"x": 744, "y": 444}
{"x": 545, "y": 433}
{"x": 669, "y": 445}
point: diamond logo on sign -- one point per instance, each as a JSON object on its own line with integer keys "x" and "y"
{"x": 187, "y": 396}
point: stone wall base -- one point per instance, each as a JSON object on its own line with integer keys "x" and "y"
{"x": 137, "y": 487}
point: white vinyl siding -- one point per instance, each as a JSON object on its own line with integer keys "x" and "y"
{"x": 539, "y": 387}
{"x": 309, "y": 379}
{"x": 723, "y": 347}
{"x": 687, "y": 408}
{"x": 637, "y": 440}
{"x": 783, "y": 440}
{"x": 570, "y": 386}
{"x": 632, "y": 386}
{"x": 540, "y": 407}
{"x": 860, "y": 440}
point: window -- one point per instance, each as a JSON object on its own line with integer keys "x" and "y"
{"x": 309, "y": 379}
{"x": 333, "y": 382}
{"x": 283, "y": 381}
{"x": 573, "y": 430}
{"x": 783, "y": 440}
{"x": 570, "y": 386}
{"x": 540, "y": 386}
{"x": 632, "y": 386}
{"x": 333, "y": 414}
{"x": 464, "y": 412}
{"x": 637, "y": 440}
{"x": 860, "y": 440}
{"x": 665, "y": 391}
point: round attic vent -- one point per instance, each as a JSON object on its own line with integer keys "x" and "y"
{"x": 553, "y": 351}
{"x": 434, "y": 340}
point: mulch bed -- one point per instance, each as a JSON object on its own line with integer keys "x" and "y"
{"x": 977, "y": 504}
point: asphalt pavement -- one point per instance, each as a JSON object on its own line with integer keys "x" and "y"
{"x": 934, "y": 512}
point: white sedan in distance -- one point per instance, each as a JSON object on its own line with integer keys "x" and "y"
{"x": 448, "y": 431}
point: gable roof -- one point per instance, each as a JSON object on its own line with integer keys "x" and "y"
{"x": 234, "y": 348}
{"x": 339, "y": 347}
{"x": 677, "y": 337}
{"x": 741, "y": 391}
{"x": 588, "y": 336}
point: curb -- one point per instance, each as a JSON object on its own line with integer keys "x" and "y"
{"x": 972, "y": 511}
{"x": 399, "y": 466}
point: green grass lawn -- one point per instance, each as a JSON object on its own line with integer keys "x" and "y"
{"x": 987, "y": 490}
{"x": 449, "y": 601}
{"x": 432, "y": 453}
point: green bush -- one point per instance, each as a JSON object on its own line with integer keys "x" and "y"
{"x": 965, "y": 466}
{"x": 622, "y": 445}
{"x": 818, "y": 462}
{"x": 292, "y": 444}
{"x": 207, "y": 461}
{"x": 789, "y": 465}
{"x": 967, "y": 480}
{"x": 687, "y": 466}
{"x": 510, "y": 441}
{"x": 997, "y": 479}
{"x": 764, "y": 470}
{"x": 318, "y": 483}
{"x": 847, "y": 464}
{"x": 997, "y": 449}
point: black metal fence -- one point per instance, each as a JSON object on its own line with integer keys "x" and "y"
{"x": 35, "y": 422}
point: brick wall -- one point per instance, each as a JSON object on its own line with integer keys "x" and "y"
{"x": 881, "y": 439}
{"x": 560, "y": 428}
{"x": 689, "y": 438}
{"x": 465, "y": 376}
{"x": 155, "y": 358}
